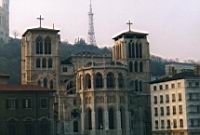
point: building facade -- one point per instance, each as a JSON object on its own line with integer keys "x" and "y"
{"x": 26, "y": 110}
{"x": 175, "y": 105}
{"x": 4, "y": 20}
{"x": 96, "y": 94}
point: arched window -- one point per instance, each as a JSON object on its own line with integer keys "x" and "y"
{"x": 136, "y": 66}
{"x": 141, "y": 66}
{"x": 132, "y": 85}
{"x": 111, "y": 118}
{"x": 140, "y": 85}
{"x": 136, "y": 85}
{"x": 130, "y": 66}
{"x": 38, "y": 65}
{"x": 44, "y": 63}
{"x": 45, "y": 82}
{"x": 50, "y": 62}
{"x": 89, "y": 119}
{"x": 100, "y": 118}
{"x": 75, "y": 126}
{"x": 47, "y": 46}
{"x": 140, "y": 50}
{"x": 129, "y": 51}
{"x": 51, "y": 84}
{"x": 39, "y": 45}
{"x": 98, "y": 81}
{"x": 133, "y": 50}
{"x": 123, "y": 118}
{"x": 88, "y": 81}
{"x": 80, "y": 82}
{"x": 110, "y": 80}
{"x": 120, "y": 80}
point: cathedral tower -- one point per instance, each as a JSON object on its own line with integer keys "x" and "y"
{"x": 4, "y": 20}
{"x": 40, "y": 57}
{"x": 131, "y": 48}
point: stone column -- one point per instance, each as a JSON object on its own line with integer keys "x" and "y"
{"x": 82, "y": 114}
{"x": 118, "y": 115}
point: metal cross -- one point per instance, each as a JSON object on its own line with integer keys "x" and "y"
{"x": 40, "y": 19}
{"x": 129, "y": 23}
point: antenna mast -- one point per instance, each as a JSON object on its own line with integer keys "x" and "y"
{"x": 91, "y": 33}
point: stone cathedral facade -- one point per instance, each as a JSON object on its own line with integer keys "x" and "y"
{"x": 4, "y": 20}
{"x": 96, "y": 94}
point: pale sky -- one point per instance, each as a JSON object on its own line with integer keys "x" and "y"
{"x": 173, "y": 25}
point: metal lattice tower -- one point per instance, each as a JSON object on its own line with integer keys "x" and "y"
{"x": 91, "y": 33}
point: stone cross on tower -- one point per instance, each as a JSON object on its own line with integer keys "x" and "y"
{"x": 129, "y": 23}
{"x": 40, "y": 19}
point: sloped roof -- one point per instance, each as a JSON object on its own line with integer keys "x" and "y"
{"x": 132, "y": 32}
{"x": 40, "y": 29}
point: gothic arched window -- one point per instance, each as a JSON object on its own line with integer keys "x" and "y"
{"x": 45, "y": 82}
{"x": 120, "y": 80}
{"x": 100, "y": 118}
{"x": 123, "y": 118}
{"x": 129, "y": 51}
{"x": 140, "y": 50}
{"x": 89, "y": 119}
{"x": 38, "y": 65}
{"x": 111, "y": 118}
{"x": 136, "y": 66}
{"x": 141, "y": 66}
{"x": 130, "y": 66}
{"x": 88, "y": 82}
{"x": 133, "y": 50}
{"x": 110, "y": 80}
{"x": 39, "y": 45}
{"x": 136, "y": 85}
{"x": 98, "y": 81}
{"x": 44, "y": 63}
{"x": 140, "y": 85}
{"x": 50, "y": 63}
{"x": 47, "y": 46}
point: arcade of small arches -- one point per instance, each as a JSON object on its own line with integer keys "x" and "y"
{"x": 134, "y": 50}
{"x": 43, "y": 46}
{"x": 136, "y": 66}
{"x": 110, "y": 118}
{"x": 100, "y": 81}
{"x": 46, "y": 83}
{"x": 44, "y": 63}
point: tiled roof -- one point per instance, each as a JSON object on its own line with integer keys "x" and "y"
{"x": 7, "y": 87}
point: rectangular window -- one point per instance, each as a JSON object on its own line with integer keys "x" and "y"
{"x": 27, "y": 103}
{"x": 155, "y": 100}
{"x": 65, "y": 69}
{"x": 179, "y": 97}
{"x": 168, "y": 110}
{"x": 173, "y": 86}
{"x": 162, "y": 111}
{"x": 167, "y": 98}
{"x": 168, "y": 124}
{"x": 180, "y": 109}
{"x": 154, "y": 88}
{"x": 175, "y": 123}
{"x": 161, "y": 99}
{"x": 43, "y": 103}
{"x": 174, "y": 110}
{"x": 156, "y": 124}
{"x": 161, "y": 87}
{"x": 166, "y": 86}
{"x": 155, "y": 111}
{"x": 181, "y": 123}
{"x": 173, "y": 98}
{"x": 11, "y": 103}
{"x": 162, "y": 124}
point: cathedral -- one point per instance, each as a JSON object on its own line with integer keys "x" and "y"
{"x": 95, "y": 94}
{"x": 4, "y": 20}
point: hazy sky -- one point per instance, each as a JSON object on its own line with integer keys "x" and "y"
{"x": 173, "y": 25}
